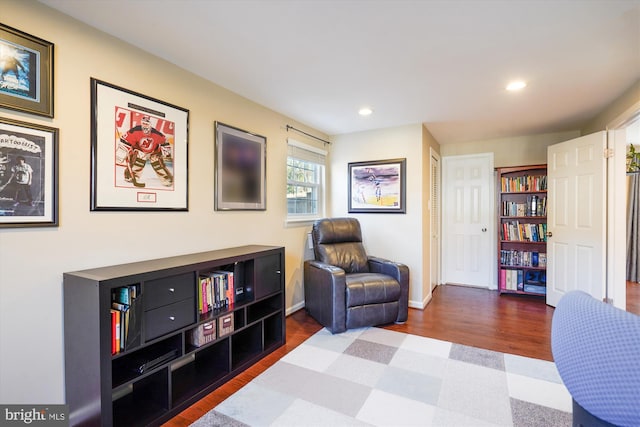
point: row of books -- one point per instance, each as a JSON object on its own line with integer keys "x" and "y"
{"x": 123, "y": 317}
{"x": 511, "y": 280}
{"x": 515, "y": 231}
{"x": 534, "y": 206}
{"x": 517, "y": 258}
{"x": 518, "y": 280}
{"x": 523, "y": 183}
{"x": 215, "y": 291}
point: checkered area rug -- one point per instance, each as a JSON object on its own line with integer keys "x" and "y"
{"x": 376, "y": 377}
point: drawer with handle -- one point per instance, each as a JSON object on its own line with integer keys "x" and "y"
{"x": 168, "y": 290}
{"x": 168, "y": 318}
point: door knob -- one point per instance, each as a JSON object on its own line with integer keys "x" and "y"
{"x": 549, "y": 234}
{"x": 484, "y": 229}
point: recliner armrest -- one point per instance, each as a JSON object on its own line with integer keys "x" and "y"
{"x": 327, "y": 268}
{"x": 325, "y": 293}
{"x": 390, "y": 268}
{"x": 398, "y": 271}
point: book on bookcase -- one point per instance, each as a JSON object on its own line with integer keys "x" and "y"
{"x": 125, "y": 306}
{"x": 216, "y": 290}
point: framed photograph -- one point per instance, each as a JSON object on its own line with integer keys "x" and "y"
{"x": 26, "y": 72}
{"x": 377, "y": 186}
{"x": 28, "y": 174}
{"x": 138, "y": 151}
{"x": 240, "y": 169}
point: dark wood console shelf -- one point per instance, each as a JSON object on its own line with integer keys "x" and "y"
{"x": 110, "y": 384}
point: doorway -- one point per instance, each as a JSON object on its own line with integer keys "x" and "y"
{"x": 632, "y": 290}
{"x": 622, "y": 131}
{"x": 468, "y": 238}
{"x": 434, "y": 207}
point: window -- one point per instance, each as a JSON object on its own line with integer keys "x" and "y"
{"x": 305, "y": 181}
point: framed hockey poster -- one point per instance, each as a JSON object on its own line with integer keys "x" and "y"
{"x": 138, "y": 151}
{"x": 26, "y": 72}
{"x": 28, "y": 174}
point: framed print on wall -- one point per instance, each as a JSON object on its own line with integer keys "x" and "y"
{"x": 26, "y": 72}
{"x": 240, "y": 169}
{"x": 138, "y": 151}
{"x": 28, "y": 174}
{"x": 377, "y": 186}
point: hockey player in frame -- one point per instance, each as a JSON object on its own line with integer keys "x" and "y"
{"x": 144, "y": 143}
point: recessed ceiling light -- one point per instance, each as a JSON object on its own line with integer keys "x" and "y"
{"x": 365, "y": 111}
{"x": 516, "y": 85}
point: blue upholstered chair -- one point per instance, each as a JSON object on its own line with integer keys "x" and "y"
{"x": 596, "y": 348}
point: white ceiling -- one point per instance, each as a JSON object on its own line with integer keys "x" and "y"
{"x": 442, "y": 63}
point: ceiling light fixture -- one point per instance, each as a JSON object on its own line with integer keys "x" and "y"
{"x": 516, "y": 86}
{"x": 365, "y": 111}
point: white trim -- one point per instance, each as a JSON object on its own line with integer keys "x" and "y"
{"x": 420, "y": 305}
{"x": 294, "y": 308}
{"x": 627, "y": 117}
{"x": 616, "y": 249}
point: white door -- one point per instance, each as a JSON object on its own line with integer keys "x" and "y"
{"x": 576, "y": 206}
{"x": 468, "y": 249}
{"x": 434, "y": 213}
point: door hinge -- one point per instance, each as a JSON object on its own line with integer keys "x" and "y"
{"x": 608, "y": 153}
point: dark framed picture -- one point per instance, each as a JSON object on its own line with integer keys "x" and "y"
{"x": 28, "y": 174}
{"x": 377, "y": 186}
{"x": 26, "y": 72}
{"x": 138, "y": 151}
{"x": 240, "y": 169}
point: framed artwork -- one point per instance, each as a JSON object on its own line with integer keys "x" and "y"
{"x": 138, "y": 151}
{"x": 28, "y": 174}
{"x": 26, "y": 72}
{"x": 377, "y": 186}
{"x": 240, "y": 169}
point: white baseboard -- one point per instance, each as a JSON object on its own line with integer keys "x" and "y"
{"x": 294, "y": 308}
{"x": 420, "y": 305}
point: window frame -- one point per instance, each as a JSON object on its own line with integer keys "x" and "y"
{"x": 320, "y": 185}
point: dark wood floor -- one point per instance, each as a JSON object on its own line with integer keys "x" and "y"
{"x": 481, "y": 318}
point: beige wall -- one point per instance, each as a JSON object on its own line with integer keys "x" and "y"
{"x": 398, "y": 237}
{"x": 629, "y": 99}
{"x": 33, "y": 259}
{"x": 517, "y": 151}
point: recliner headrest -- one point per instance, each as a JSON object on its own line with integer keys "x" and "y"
{"x": 336, "y": 230}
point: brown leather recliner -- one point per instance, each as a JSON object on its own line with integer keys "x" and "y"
{"x": 344, "y": 287}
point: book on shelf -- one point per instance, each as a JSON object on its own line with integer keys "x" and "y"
{"x": 511, "y": 280}
{"x": 114, "y": 331}
{"x": 216, "y": 291}
{"x": 533, "y": 206}
{"x": 125, "y": 302}
{"x": 542, "y": 260}
{"x": 523, "y": 232}
{"x": 517, "y": 258}
{"x": 204, "y": 286}
{"x": 538, "y": 289}
{"x": 523, "y": 183}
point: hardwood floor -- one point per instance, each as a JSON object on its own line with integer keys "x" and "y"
{"x": 481, "y": 318}
{"x": 633, "y": 297}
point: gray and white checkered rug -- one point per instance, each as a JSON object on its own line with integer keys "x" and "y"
{"x": 376, "y": 377}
